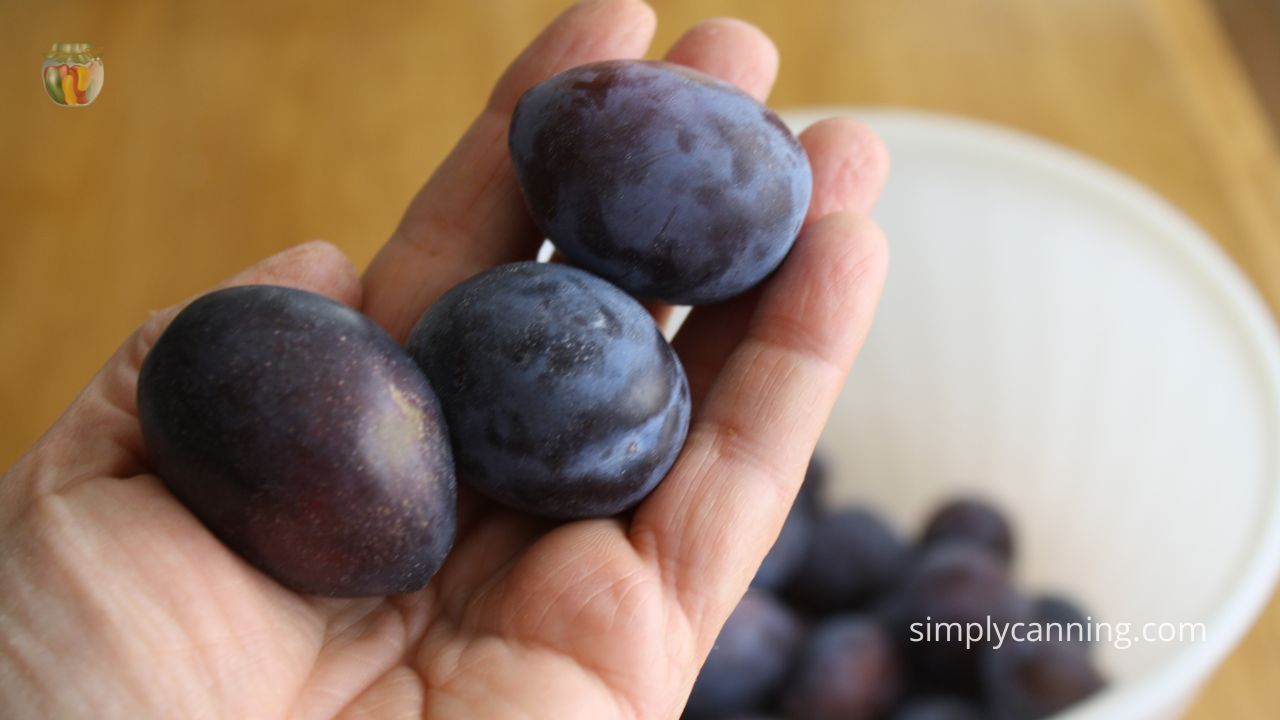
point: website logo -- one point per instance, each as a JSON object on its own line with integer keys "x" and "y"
{"x": 72, "y": 74}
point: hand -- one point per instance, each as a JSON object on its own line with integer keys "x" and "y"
{"x": 115, "y": 602}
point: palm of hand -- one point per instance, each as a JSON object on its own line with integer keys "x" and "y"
{"x": 519, "y": 618}
{"x": 125, "y": 606}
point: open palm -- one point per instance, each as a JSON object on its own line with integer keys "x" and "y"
{"x": 116, "y": 603}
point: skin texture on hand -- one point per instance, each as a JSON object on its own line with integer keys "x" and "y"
{"x": 116, "y": 603}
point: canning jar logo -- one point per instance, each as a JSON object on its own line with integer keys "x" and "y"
{"x": 72, "y": 74}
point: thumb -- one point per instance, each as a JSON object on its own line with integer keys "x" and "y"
{"x": 99, "y": 435}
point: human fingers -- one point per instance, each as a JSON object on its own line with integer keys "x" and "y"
{"x": 849, "y": 165}
{"x": 470, "y": 216}
{"x": 712, "y": 520}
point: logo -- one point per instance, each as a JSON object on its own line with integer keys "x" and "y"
{"x": 72, "y": 74}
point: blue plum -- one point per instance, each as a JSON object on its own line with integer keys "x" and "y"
{"x": 848, "y": 669}
{"x": 971, "y": 520}
{"x": 750, "y": 659}
{"x": 814, "y": 488}
{"x": 939, "y": 708}
{"x": 562, "y": 396}
{"x": 792, "y": 546}
{"x": 304, "y": 438}
{"x": 1031, "y": 680}
{"x": 853, "y": 555}
{"x": 947, "y": 588}
{"x": 789, "y": 550}
{"x": 1061, "y": 618}
{"x": 663, "y": 180}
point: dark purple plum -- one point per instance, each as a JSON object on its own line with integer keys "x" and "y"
{"x": 789, "y": 550}
{"x": 853, "y": 555}
{"x": 749, "y": 661}
{"x": 1061, "y": 619}
{"x": 1031, "y": 680}
{"x": 791, "y": 547}
{"x": 562, "y": 396}
{"x": 813, "y": 490}
{"x": 948, "y": 588}
{"x": 972, "y": 520}
{"x": 939, "y": 708}
{"x": 304, "y": 438}
{"x": 848, "y": 669}
{"x": 663, "y": 180}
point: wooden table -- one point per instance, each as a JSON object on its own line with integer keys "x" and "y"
{"x": 226, "y": 133}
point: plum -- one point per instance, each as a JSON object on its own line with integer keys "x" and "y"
{"x": 750, "y": 659}
{"x": 813, "y": 490}
{"x": 663, "y": 180}
{"x": 949, "y": 587}
{"x": 299, "y": 433}
{"x": 1061, "y": 618}
{"x": 848, "y": 669}
{"x": 853, "y": 554}
{"x": 972, "y": 520}
{"x": 939, "y": 708}
{"x": 789, "y": 550}
{"x": 1030, "y": 680}
{"x": 562, "y": 397}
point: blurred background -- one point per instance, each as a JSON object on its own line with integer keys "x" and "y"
{"x": 229, "y": 130}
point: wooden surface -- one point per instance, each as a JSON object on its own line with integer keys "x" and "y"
{"x": 227, "y": 131}
{"x": 1253, "y": 27}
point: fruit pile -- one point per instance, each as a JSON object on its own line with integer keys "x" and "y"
{"x": 842, "y": 622}
{"x": 318, "y": 449}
